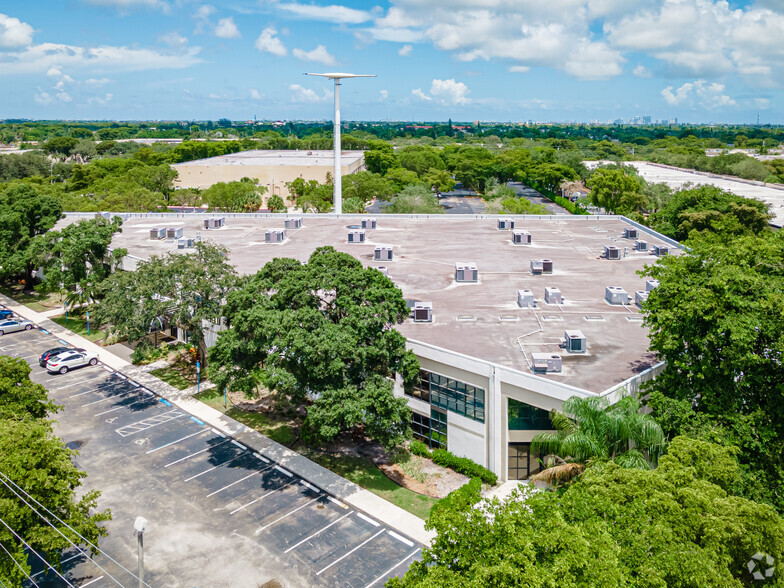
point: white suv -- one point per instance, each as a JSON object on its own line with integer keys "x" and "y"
{"x": 70, "y": 359}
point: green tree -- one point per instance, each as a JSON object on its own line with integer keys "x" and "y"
{"x": 366, "y": 186}
{"x": 612, "y": 189}
{"x": 380, "y": 157}
{"x": 60, "y": 146}
{"x": 415, "y": 200}
{"x": 234, "y": 196}
{"x": 20, "y": 397}
{"x": 419, "y": 159}
{"x": 322, "y": 330}
{"x": 439, "y": 179}
{"x": 275, "y": 204}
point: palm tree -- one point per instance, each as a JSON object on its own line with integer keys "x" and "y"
{"x": 592, "y": 429}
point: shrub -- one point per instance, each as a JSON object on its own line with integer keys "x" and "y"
{"x": 420, "y": 449}
{"x": 463, "y": 465}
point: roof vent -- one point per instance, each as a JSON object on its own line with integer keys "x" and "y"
{"x": 640, "y": 297}
{"x": 611, "y": 252}
{"x": 174, "y": 232}
{"x": 574, "y": 342}
{"x": 630, "y": 233}
{"x": 552, "y": 296}
{"x": 547, "y": 266}
{"x": 651, "y": 284}
{"x": 275, "y": 236}
{"x": 466, "y": 272}
{"x": 525, "y": 298}
{"x": 547, "y": 362}
{"x": 616, "y": 295}
{"x": 214, "y": 222}
{"x": 383, "y": 270}
{"x": 383, "y": 253}
{"x": 293, "y": 223}
{"x": 661, "y": 250}
{"x": 641, "y": 245}
{"x": 423, "y": 312}
{"x": 186, "y": 243}
{"x": 521, "y": 237}
{"x": 505, "y": 224}
{"x": 157, "y": 233}
{"x": 356, "y": 236}
{"x": 368, "y": 223}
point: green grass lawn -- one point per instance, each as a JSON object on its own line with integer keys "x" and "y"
{"x": 173, "y": 377}
{"x": 79, "y": 326}
{"x": 35, "y": 301}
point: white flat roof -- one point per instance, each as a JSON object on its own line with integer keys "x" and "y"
{"x": 271, "y": 158}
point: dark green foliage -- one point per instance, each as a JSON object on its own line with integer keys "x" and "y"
{"x": 463, "y": 465}
{"x": 24, "y": 165}
{"x": 234, "y": 196}
{"x": 419, "y": 448}
{"x": 20, "y": 397}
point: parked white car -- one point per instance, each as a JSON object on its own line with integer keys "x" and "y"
{"x": 13, "y": 325}
{"x": 69, "y": 360}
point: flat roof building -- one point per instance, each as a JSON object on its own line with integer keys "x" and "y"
{"x": 492, "y": 367}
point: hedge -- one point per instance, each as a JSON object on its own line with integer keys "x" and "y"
{"x": 420, "y": 449}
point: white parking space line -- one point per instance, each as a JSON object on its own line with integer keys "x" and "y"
{"x": 288, "y": 514}
{"x": 389, "y": 571}
{"x": 66, "y": 560}
{"x": 81, "y": 393}
{"x": 194, "y": 454}
{"x": 321, "y": 530}
{"x": 289, "y": 483}
{"x": 149, "y": 423}
{"x": 237, "y": 482}
{"x": 123, "y": 406}
{"x": 345, "y": 555}
{"x": 215, "y": 467}
{"x": 67, "y": 386}
{"x": 368, "y": 519}
{"x": 92, "y": 581}
{"x": 177, "y": 441}
{"x": 401, "y": 538}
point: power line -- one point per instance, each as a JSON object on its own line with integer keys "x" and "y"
{"x": 18, "y": 566}
{"x": 38, "y": 555}
{"x": 53, "y": 527}
{"x": 74, "y": 531}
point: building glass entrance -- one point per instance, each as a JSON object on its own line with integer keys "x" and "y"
{"x": 521, "y": 463}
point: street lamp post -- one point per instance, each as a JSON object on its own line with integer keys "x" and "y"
{"x": 337, "y": 178}
{"x": 139, "y": 527}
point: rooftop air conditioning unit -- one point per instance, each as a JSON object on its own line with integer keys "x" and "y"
{"x": 174, "y": 232}
{"x": 536, "y": 266}
{"x": 275, "y": 236}
{"x": 157, "y": 233}
{"x": 525, "y": 298}
{"x": 382, "y": 253}
{"x": 641, "y": 245}
{"x": 630, "y": 233}
{"x": 505, "y": 224}
{"x": 547, "y": 362}
{"x": 186, "y": 243}
{"x": 651, "y": 284}
{"x": 214, "y": 223}
{"x": 660, "y": 250}
{"x": 574, "y": 342}
{"x": 368, "y": 223}
{"x": 521, "y": 237}
{"x": 384, "y": 270}
{"x": 356, "y": 236}
{"x": 552, "y": 296}
{"x": 640, "y": 297}
{"x": 466, "y": 272}
{"x": 293, "y": 223}
{"x": 423, "y": 312}
{"x": 616, "y": 295}
{"x": 547, "y": 266}
{"x": 612, "y": 252}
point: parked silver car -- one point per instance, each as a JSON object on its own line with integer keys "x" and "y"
{"x": 68, "y": 360}
{"x": 13, "y": 325}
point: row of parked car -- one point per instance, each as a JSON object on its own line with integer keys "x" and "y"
{"x": 56, "y": 360}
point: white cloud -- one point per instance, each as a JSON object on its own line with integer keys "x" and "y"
{"x": 54, "y": 72}
{"x": 332, "y": 13}
{"x": 202, "y": 16}
{"x": 255, "y": 94}
{"x": 127, "y": 4}
{"x": 384, "y": 94}
{"x": 42, "y": 98}
{"x": 698, "y": 93}
{"x": 306, "y": 95}
{"x": 519, "y": 69}
{"x": 226, "y": 29}
{"x": 419, "y": 94}
{"x": 97, "y": 82}
{"x": 762, "y": 103}
{"x": 268, "y": 42}
{"x": 405, "y": 50}
{"x": 449, "y": 92}
{"x": 14, "y": 33}
{"x": 641, "y": 71}
{"x": 173, "y": 39}
{"x": 101, "y": 100}
{"x": 317, "y": 55}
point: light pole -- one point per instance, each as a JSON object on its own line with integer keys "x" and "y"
{"x": 337, "y": 179}
{"x": 139, "y": 526}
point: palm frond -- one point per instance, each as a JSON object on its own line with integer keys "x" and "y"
{"x": 633, "y": 460}
{"x": 546, "y": 443}
{"x": 558, "y": 475}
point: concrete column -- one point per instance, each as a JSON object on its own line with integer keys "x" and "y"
{"x": 496, "y": 429}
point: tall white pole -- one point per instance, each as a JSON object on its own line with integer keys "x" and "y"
{"x": 337, "y": 179}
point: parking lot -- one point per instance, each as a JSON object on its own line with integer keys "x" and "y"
{"x": 220, "y": 514}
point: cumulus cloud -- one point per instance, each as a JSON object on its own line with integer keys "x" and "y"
{"x": 700, "y": 93}
{"x": 332, "y": 13}
{"x": 97, "y": 82}
{"x": 14, "y": 33}
{"x": 383, "y": 94}
{"x": 405, "y": 50}
{"x": 301, "y": 94}
{"x": 128, "y": 4}
{"x": 255, "y": 94}
{"x": 420, "y": 95}
{"x": 42, "y": 98}
{"x": 173, "y": 39}
{"x": 101, "y": 100}
{"x": 202, "y": 17}
{"x": 519, "y": 68}
{"x": 641, "y": 71}
{"x": 449, "y": 92}
{"x": 317, "y": 55}
{"x": 268, "y": 42}
{"x": 226, "y": 29}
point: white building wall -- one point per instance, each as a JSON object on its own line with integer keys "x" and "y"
{"x": 465, "y": 438}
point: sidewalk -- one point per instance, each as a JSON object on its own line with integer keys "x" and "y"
{"x": 348, "y": 492}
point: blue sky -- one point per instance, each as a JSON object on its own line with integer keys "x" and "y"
{"x": 506, "y": 60}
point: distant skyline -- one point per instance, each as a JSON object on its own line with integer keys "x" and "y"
{"x": 699, "y": 61}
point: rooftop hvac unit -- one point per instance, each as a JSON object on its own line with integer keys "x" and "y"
{"x": 174, "y": 232}
{"x": 660, "y": 250}
{"x": 536, "y": 266}
{"x": 616, "y": 295}
{"x": 423, "y": 312}
{"x": 525, "y": 298}
{"x": 356, "y": 236}
{"x": 505, "y": 224}
{"x": 547, "y": 362}
{"x": 214, "y": 222}
{"x": 574, "y": 342}
{"x": 275, "y": 236}
{"x": 521, "y": 237}
{"x": 547, "y": 266}
{"x": 186, "y": 243}
{"x": 641, "y": 245}
{"x": 630, "y": 233}
{"x": 383, "y": 270}
{"x": 466, "y": 272}
{"x": 552, "y": 296}
{"x": 382, "y": 253}
{"x": 612, "y": 252}
{"x": 640, "y": 297}
{"x": 157, "y": 233}
{"x": 293, "y": 223}
{"x": 651, "y": 284}
{"x": 368, "y": 223}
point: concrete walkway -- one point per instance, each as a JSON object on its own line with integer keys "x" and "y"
{"x": 390, "y": 514}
